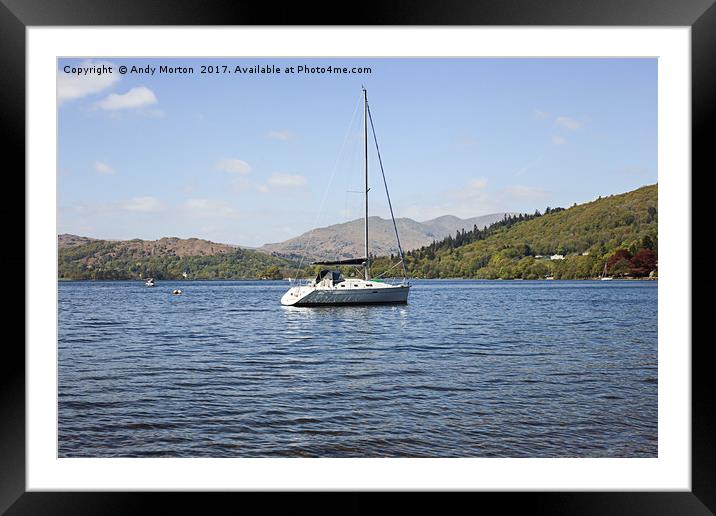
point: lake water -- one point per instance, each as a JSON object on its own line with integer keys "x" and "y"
{"x": 465, "y": 369}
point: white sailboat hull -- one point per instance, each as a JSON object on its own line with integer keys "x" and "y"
{"x": 347, "y": 295}
{"x": 330, "y": 288}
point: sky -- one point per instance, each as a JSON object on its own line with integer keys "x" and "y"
{"x": 251, "y": 158}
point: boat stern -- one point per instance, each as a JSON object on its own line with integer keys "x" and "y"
{"x": 293, "y": 295}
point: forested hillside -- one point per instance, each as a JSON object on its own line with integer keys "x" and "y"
{"x": 166, "y": 258}
{"x": 619, "y": 230}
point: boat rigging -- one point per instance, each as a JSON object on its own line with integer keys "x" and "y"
{"x": 330, "y": 287}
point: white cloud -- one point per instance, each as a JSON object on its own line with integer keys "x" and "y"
{"x": 525, "y": 193}
{"x": 93, "y": 211}
{"x": 558, "y": 140}
{"x": 73, "y": 86}
{"x": 469, "y": 200}
{"x": 233, "y": 165}
{"x": 281, "y": 181}
{"x": 134, "y": 99}
{"x": 565, "y": 122}
{"x": 528, "y": 166}
{"x": 209, "y": 208}
{"x": 286, "y": 180}
{"x": 282, "y": 135}
{"x": 473, "y": 199}
{"x": 633, "y": 171}
{"x": 478, "y": 184}
{"x": 103, "y": 168}
{"x": 153, "y": 113}
{"x": 568, "y": 123}
{"x": 142, "y": 204}
{"x": 240, "y": 184}
{"x": 82, "y": 208}
{"x": 474, "y": 189}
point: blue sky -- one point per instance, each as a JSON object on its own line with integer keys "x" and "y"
{"x": 248, "y": 158}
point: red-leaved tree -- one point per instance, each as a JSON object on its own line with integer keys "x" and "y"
{"x": 643, "y": 262}
{"x": 621, "y": 257}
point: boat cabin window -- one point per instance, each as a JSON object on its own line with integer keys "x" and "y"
{"x": 334, "y": 276}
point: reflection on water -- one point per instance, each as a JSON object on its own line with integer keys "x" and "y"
{"x": 465, "y": 369}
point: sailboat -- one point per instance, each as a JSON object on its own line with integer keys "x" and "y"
{"x": 604, "y": 276}
{"x": 330, "y": 288}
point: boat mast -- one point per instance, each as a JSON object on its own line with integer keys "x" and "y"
{"x": 365, "y": 138}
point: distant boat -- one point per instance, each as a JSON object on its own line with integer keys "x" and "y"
{"x": 149, "y": 282}
{"x": 604, "y": 276}
{"x": 329, "y": 288}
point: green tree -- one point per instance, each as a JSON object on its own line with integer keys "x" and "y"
{"x": 271, "y": 272}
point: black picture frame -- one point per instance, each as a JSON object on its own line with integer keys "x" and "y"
{"x": 17, "y": 15}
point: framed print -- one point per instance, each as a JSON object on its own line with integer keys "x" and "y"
{"x": 474, "y": 286}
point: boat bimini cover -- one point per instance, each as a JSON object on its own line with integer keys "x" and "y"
{"x": 335, "y": 276}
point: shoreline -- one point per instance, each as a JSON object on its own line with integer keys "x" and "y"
{"x": 71, "y": 280}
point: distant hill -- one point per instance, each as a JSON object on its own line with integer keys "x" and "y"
{"x": 67, "y": 240}
{"x": 166, "y": 258}
{"x": 449, "y": 224}
{"x": 164, "y": 246}
{"x": 619, "y": 230}
{"x": 345, "y": 240}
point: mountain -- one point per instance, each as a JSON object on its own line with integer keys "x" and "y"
{"x": 166, "y": 258}
{"x": 346, "y": 240}
{"x": 450, "y": 224}
{"x": 620, "y": 231}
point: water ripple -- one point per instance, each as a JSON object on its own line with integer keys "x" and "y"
{"x": 466, "y": 369}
